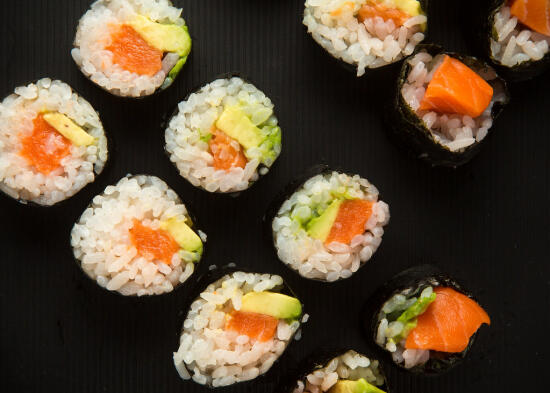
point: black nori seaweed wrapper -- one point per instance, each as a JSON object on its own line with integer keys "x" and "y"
{"x": 417, "y": 277}
{"x": 409, "y": 131}
{"x": 216, "y": 274}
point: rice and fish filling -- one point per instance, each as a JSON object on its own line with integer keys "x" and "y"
{"x": 366, "y": 33}
{"x": 350, "y": 372}
{"x": 52, "y": 143}
{"x": 330, "y": 226}
{"x": 137, "y": 238}
{"x": 132, "y": 47}
{"x": 236, "y": 329}
{"x": 224, "y": 136}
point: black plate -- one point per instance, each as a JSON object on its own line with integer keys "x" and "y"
{"x": 487, "y": 224}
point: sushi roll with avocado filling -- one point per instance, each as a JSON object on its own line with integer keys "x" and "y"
{"x": 367, "y": 33}
{"x": 445, "y": 105}
{"x": 224, "y": 136}
{"x": 427, "y": 323}
{"x": 137, "y": 238}
{"x": 330, "y": 226}
{"x": 132, "y": 48}
{"x": 52, "y": 143}
{"x": 236, "y": 329}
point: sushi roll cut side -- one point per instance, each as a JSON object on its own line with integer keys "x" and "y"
{"x": 236, "y": 329}
{"x": 330, "y": 226}
{"x": 350, "y": 372}
{"x": 137, "y": 238}
{"x": 52, "y": 143}
{"x": 224, "y": 137}
{"x": 367, "y": 33}
{"x": 132, "y": 47}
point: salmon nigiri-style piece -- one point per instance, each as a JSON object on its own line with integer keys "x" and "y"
{"x": 350, "y": 221}
{"x": 448, "y": 323}
{"x": 455, "y": 88}
{"x": 533, "y": 13}
{"x": 256, "y": 326}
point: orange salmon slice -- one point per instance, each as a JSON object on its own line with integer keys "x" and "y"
{"x": 350, "y": 221}
{"x": 372, "y": 9}
{"x": 153, "y": 244}
{"x": 226, "y": 151}
{"x": 256, "y": 326}
{"x": 533, "y": 13}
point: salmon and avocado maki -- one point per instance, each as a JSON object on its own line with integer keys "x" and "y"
{"x": 330, "y": 226}
{"x": 237, "y": 328}
{"x": 137, "y": 238}
{"x": 132, "y": 48}
{"x": 367, "y": 33}
{"x": 224, "y": 136}
{"x": 52, "y": 143}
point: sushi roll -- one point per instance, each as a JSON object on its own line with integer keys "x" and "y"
{"x": 426, "y": 321}
{"x": 367, "y": 33}
{"x": 445, "y": 105}
{"x": 52, "y": 143}
{"x": 137, "y": 238}
{"x": 236, "y": 329}
{"x": 132, "y": 48}
{"x": 330, "y": 226}
{"x": 349, "y": 372}
{"x": 224, "y": 136}
{"x": 517, "y": 37}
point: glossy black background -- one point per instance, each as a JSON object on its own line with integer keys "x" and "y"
{"x": 486, "y": 223}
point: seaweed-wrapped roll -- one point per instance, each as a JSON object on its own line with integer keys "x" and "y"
{"x": 52, "y": 143}
{"x": 132, "y": 48}
{"x": 224, "y": 136}
{"x": 137, "y": 238}
{"x": 367, "y": 33}
{"x": 330, "y": 226}
{"x": 236, "y": 329}
{"x": 445, "y": 105}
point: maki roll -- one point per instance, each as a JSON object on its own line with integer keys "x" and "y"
{"x": 137, "y": 238}
{"x": 330, "y": 226}
{"x": 367, "y": 33}
{"x": 132, "y": 48}
{"x": 236, "y": 329}
{"x": 224, "y": 136}
{"x": 518, "y": 37}
{"x": 445, "y": 105}
{"x": 52, "y": 143}
{"x": 427, "y": 322}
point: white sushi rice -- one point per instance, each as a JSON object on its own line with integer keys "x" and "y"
{"x": 349, "y": 366}
{"x": 371, "y": 44}
{"x": 456, "y": 132}
{"x": 310, "y": 257}
{"x": 22, "y": 181}
{"x": 101, "y": 238}
{"x": 216, "y": 357}
{"x": 93, "y": 36}
{"x": 515, "y": 43}
{"x": 197, "y": 115}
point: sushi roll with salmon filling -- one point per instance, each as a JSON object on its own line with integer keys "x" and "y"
{"x": 445, "y": 105}
{"x": 224, "y": 137}
{"x": 519, "y": 37}
{"x": 52, "y": 143}
{"x": 137, "y": 238}
{"x": 132, "y": 48}
{"x": 429, "y": 323}
{"x": 367, "y": 33}
{"x": 236, "y": 329}
{"x": 330, "y": 226}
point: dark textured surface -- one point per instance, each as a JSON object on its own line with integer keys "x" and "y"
{"x": 487, "y": 223}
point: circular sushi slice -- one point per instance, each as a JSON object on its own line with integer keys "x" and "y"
{"x": 349, "y": 372}
{"x": 52, "y": 143}
{"x": 132, "y": 48}
{"x": 236, "y": 329}
{"x": 518, "y": 37}
{"x": 367, "y": 33}
{"x": 426, "y": 321}
{"x": 137, "y": 238}
{"x": 445, "y": 105}
{"x": 224, "y": 136}
{"x": 330, "y": 226}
